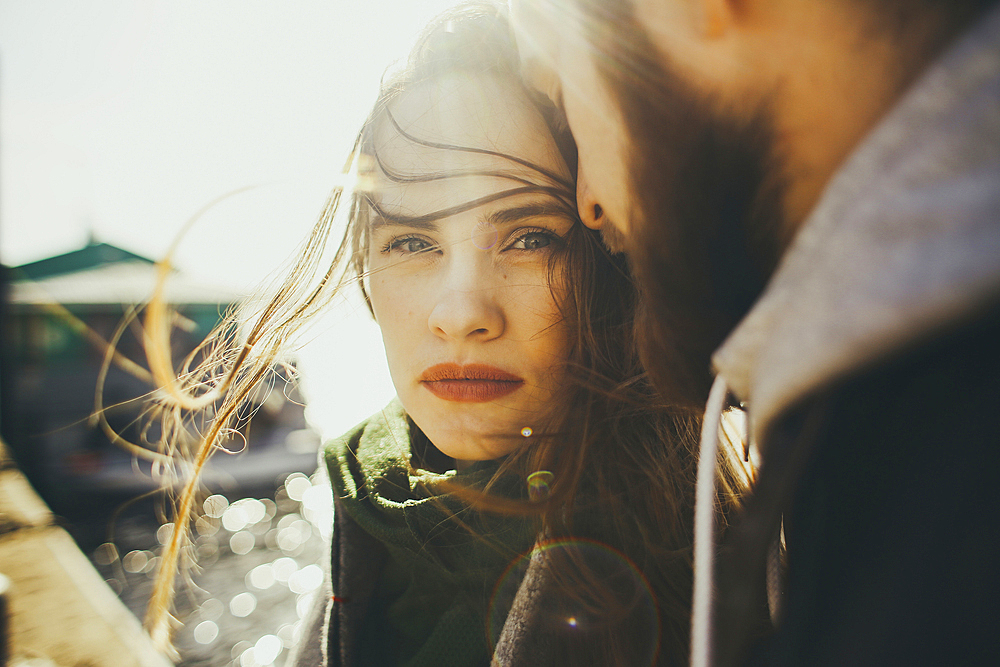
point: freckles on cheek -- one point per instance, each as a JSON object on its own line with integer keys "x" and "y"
{"x": 394, "y": 307}
{"x": 383, "y": 304}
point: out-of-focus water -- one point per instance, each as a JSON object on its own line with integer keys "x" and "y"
{"x": 260, "y": 559}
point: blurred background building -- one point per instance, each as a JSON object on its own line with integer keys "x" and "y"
{"x": 261, "y": 512}
{"x": 62, "y": 310}
{"x": 122, "y": 119}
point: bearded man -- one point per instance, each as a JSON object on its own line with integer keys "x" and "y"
{"x": 809, "y": 191}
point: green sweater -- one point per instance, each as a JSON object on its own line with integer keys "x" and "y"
{"x": 431, "y": 600}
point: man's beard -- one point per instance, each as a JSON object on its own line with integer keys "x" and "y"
{"x": 613, "y": 239}
{"x": 706, "y": 211}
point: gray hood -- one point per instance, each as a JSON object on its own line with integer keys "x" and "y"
{"x": 904, "y": 243}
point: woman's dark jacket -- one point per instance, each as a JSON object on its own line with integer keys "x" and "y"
{"x": 440, "y": 589}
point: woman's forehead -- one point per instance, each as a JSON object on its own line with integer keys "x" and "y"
{"x": 495, "y": 201}
{"x": 423, "y": 127}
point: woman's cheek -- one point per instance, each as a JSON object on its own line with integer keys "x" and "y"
{"x": 396, "y": 303}
{"x": 384, "y": 286}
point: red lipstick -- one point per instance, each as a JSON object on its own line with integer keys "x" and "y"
{"x": 471, "y": 383}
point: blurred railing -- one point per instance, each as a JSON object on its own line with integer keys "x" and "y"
{"x": 59, "y": 611}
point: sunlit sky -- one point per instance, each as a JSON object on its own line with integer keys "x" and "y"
{"x": 121, "y": 119}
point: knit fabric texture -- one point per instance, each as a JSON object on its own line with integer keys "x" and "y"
{"x": 433, "y": 597}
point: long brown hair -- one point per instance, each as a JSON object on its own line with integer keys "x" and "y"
{"x": 621, "y": 459}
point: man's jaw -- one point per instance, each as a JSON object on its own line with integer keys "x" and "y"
{"x": 613, "y": 239}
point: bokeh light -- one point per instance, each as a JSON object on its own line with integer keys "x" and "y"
{"x": 235, "y": 519}
{"x": 270, "y": 553}
{"x": 306, "y": 580}
{"x": 207, "y": 526}
{"x": 302, "y": 605}
{"x": 284, "y": 568}
{"x": 151, "y": 567}
{"x": 206, "y": 632}
{"x": 215, "y": 505}
{"x": 296, "y": 485}
{"x": 207, "y": 553}
{"x": 289, "y": 634}
{"x": 136, "y": 561}
{"x": 485, "y": 235}
{"x": 239, "y": 648}
{"x": 242, "y": 542}
{"x": 253, "y": 509}
{"x": 243, "y": 605}
{"x": 164, "y": 533}
{"x": 539, "y": 485}
{"x": 211, "y": 609}
{"x": 249, "y": 658}
{"x": 261, "y": 577}
{"x": 267, "y": 649}
{"x": 106, "y": 554}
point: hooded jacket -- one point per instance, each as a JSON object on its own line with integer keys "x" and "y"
{"x": 871, "y": 371}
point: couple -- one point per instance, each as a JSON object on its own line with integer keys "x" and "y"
{"x": 807, "y": 195}
{"x": 528, "y": 497}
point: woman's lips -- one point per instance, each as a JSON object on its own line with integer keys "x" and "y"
{"x": 471, "y": 383}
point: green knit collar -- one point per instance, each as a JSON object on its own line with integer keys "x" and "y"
{"x": 436, "y": 565}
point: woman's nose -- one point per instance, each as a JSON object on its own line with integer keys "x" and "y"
{"x": 467, "y": 311}
{"x": 590, "y": 210}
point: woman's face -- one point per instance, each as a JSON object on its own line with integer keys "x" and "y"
{"x": 475, "y": 342}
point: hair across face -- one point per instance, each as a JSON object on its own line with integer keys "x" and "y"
{"x": 496, "y": 203}
{"x": 618, "y": 461}
{"x": 465, "y": 227}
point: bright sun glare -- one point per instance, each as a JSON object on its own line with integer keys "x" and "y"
{"x": 119, "y": 120}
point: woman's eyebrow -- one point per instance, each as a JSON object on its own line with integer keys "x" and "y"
{"x": 552, "y": 205}
{"x": 420, "y": 224}
{"x": 506, "y": 216}
{"x": 559, "y": 205}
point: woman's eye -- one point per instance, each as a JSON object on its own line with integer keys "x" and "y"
{"x": 531, "y": 241}
{"x": 411, "y": 245}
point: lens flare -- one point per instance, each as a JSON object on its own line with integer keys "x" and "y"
{"x": 526, "y": 431}
{"x": 539, "y": 485}
{"x": 485, "y": 235}
{"x": 580, "y": 588}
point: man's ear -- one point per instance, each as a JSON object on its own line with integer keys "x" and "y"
{"x": 716, "y": 16}
{"x": 688, "y": 20}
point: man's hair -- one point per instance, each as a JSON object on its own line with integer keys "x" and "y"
{"x": 697, "y": 280}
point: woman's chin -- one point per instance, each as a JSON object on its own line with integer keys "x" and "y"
{"x": 469, "y": 449}
{"x": 471, "y": 431}
{"x": 465, "y": 454}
